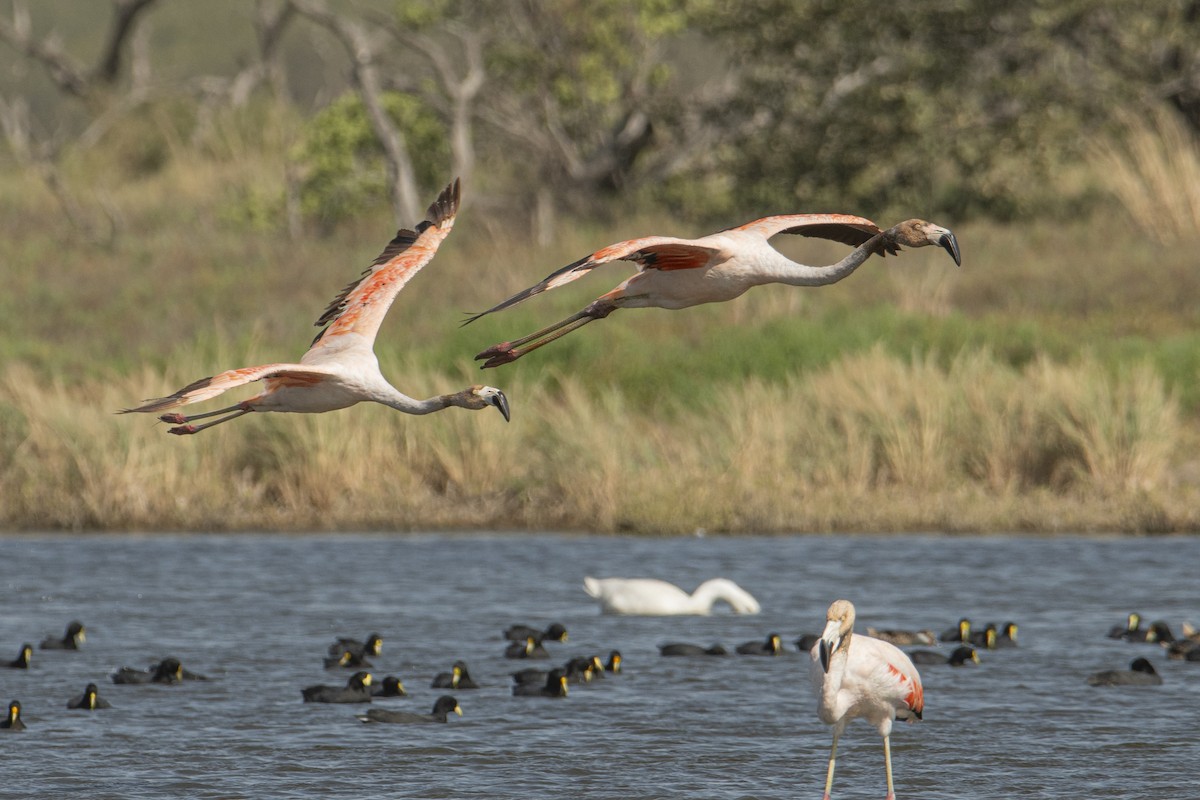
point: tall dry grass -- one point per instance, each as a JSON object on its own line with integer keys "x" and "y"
{"x": 1152, "y": 165}
{"x": 874, "y": 442}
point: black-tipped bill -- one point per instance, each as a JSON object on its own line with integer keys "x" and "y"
{"x": 951, "y": 246}
{"x": 823, "y": 653}
{"x": 501, "y": 402}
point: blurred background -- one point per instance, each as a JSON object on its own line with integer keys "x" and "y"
{"x": 185, "y": 186}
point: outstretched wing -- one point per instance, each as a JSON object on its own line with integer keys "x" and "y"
{"x": 207, "y": 388}
{"x": 844, "y": 228}
{"x": 362, "y": 305}
{"x": 649, "y": 252}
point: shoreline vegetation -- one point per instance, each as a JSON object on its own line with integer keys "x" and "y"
{"x": 1052, "y": 384}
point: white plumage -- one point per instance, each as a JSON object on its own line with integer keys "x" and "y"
{"x": 858, "y": 676}
{"x": 652, "y": 597}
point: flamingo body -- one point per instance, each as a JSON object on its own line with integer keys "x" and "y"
{"x": 678, "y": 273}
{"x": 653, "y": 597}
{"x": 340, "y": 368}
{"x": 859, "y": 676}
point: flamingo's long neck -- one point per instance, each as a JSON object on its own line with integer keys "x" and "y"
{"x": 832, "y": 688}
{"x": 394, "y": 398}
{"x": 792, "y": 273}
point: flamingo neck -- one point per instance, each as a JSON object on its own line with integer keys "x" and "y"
{"x": 394, "y": 398}
{"x": 832, "y": 687}
{"x": 792, "y": 273}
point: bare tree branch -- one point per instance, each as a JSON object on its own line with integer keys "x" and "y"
{"x": 126, "y": 13}
{"x": 62, "y": 69}
{"x": 363, "y": 58}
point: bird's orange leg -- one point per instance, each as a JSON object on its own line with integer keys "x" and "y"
{"x": 507, "y": 352}
{"x": 185, "y": 429}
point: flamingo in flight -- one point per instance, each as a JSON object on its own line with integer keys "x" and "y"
{"x": 340, "y": 368}
{"x": 678, "y": 273}
{"x": 857, "y": 676}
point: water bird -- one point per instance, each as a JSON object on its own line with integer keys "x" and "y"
{"x": 577, "y": 670}
{"x": 457, "y": 678}
{"x": 1140, "y": 673}
{"x": 771, "y": 646}
{"x": 23, "y": 657}
{"x": 340, "y": 368}
{"x": 90, "y": 700}
{"x": 530, "y": 648}
{"x": 857, "y": 676}
{"x": 356, "y": 690}
{"x": 13, "y": 721}
{"x": 1159, "y": 632}
{"x": 390, "y": 686}
{"x": 184, "y": 673}
{"x": 1008, "y": 635}
{"x": 555, "y": 632}
{"x": 653, "y": 597}
{"x": 614, "y": 662}
{"x": 71, "y": 640}
{"x": 961, "y": 655}
{"x": 371, "y": 646}
{"x": 677, "y": 273}
{"x": 169, "y": 670}
{"x": 1133, "y": 623}
{"x": 555, "y": 686}
{"x": 443, "y": 707}
{"x": 985, "y": 638}
{"x": 686, "y": 649}
{"x": 959, "y": 633}
{"x": 900, "y": 637}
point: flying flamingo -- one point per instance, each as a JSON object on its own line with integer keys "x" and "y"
{"x": 678, "y": 273}
{"x": 857, "y": 676}
{"x": 340, "y": 367}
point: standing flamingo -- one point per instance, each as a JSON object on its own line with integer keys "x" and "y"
{"x": 857, "y": 676}
{"x": 678, "y": 273}
{"x": 340, "y": 368}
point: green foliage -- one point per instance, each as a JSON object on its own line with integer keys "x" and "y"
{"x": 342, "y": 161}
{"x": 960, "y": 107}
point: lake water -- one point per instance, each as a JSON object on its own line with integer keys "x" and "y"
{"x": 256, "y": 612}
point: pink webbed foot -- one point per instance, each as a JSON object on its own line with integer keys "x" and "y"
{"x": 182, "y": 430}
{"x": 174, "y": 419}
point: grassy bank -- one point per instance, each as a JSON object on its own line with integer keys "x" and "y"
{"x": 1049, "y": 385}
{"x": 872, "y": 442}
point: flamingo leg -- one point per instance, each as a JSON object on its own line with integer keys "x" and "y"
{"x": 183, "y": 430}
{"x": 887, "y": 761}
{"x": 832, "y": 762}
{"x": 180, "y": 419}
{"x": 507, "y": 352}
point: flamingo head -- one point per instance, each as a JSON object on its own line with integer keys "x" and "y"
{"x": 839, "y": 624}
{"x": 484, "y": 396}
{"x": 919, "y": 233}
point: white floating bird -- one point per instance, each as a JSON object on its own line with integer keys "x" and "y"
{"x": 340, "y": 368}
{"x": 858, "y": 676}
{"x": 652, "y": 597}
{"x": 678, "y": 273}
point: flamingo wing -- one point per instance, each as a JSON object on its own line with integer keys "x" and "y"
{"x": 887, "y": 668}
{"x": 362, "y": 305}
{"x": 844, "y": 228}
{"x": 649, "y": 252}
{"x": 207, "y": 388}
